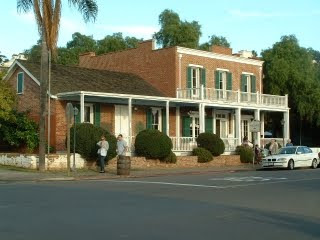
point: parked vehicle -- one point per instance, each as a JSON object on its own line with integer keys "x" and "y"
{"x": 292, "y": 157}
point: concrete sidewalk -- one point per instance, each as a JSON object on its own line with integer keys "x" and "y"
{"x": 11, "y": 174}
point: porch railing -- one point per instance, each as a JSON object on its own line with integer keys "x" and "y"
{"x": 183, "y": 143}
{"x": 230, "y": 144}
{"x": 229, "y": 96}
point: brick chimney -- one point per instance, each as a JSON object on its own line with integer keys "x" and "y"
{"x": 221, "y": 50}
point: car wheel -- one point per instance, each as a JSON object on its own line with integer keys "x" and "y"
{"x": 291, "y": 164}
{"x": 314, "y": 164}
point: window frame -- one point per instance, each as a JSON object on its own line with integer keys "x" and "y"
{"x": 22, "y": 88}
{"x": 159, "y": 111}
{"x": 90, "y": 105}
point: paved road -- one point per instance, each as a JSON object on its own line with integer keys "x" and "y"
{"x": 243, "y": 205}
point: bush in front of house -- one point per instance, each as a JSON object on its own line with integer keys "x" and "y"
{"x": 19, "y": 130}
{"x": 211, "y": 142}
{"x": 153, "y": 144}
{"x": 171, "y": 158}
{"x": 203, "y": 155}
{"x": 87, "y": 136}
{"x": 246, "y": 153}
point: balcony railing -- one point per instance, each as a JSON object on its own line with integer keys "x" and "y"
{"x": 228, "y": 96}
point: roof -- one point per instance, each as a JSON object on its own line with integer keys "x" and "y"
{"x": 72, "y": 78}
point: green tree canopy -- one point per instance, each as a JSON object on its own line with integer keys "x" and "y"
{"x": 174, "y": 32}
{"x": 214, "y": 40}
{"x": 3, "y": 58}
{"x": 7, "y": 100}
{"x": 289, "y": 69}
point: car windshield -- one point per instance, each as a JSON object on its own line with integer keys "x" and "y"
{"x": 288, "y": 150}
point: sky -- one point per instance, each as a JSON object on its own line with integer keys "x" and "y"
{"x": 247, "y": 24}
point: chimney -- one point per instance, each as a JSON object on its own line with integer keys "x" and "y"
{"x": 245, "y": 54}
{"x": 221, "y": 50}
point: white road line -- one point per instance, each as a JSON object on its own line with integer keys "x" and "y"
{"x": 206, "y": 186}
{"x": 166, "y": 183}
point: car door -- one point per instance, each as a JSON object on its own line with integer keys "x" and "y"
{"x": 300, "y": 157}
{"x": 308, "y": 156}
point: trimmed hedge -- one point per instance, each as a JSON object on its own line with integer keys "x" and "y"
{"x": 171, "y": 158}
{"x": 203, "y": 155}
{"x": 152, "y": 144}
{"x": 211, "y": 142}
{"x": 87, "y": 136}
{"x": 246, "y": 154}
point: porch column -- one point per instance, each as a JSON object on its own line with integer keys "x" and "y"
{"x": 262, "y": 123}
{"x": 286, "y": 125}
{"x": 81, "y": 107}
{"x": 238, "y": 125}
{"x": 176, "y": 143}
{"x": 257, "y": 117}
{"x": 167, "y": 116}
{"x": 129, "y": 121}
{"x": 201, "y": 117}
{"x": 214, "y": 121}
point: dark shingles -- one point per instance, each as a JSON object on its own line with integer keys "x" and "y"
{"x": 70, "y": 78}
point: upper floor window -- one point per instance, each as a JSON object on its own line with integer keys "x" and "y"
{"x": 196, "y": 76}
{"x": 248, "y": 83}
{"x": 20, "y": 83}
{"x": 223, "y": 80}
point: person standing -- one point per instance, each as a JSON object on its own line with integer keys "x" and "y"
{"x": 103, "y": 151}
{"x": 121, "y": 146}
{"x": 289, "y": 143}
{"x": 273, "y": 147}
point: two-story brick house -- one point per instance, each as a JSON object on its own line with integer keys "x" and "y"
{"x": 179, "y": 91}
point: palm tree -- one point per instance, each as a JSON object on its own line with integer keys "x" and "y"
{"x": 48, "y": 15}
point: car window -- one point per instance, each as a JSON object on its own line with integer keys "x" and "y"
{"x": 307, "y": 150}
{"x": 300, "y": 150}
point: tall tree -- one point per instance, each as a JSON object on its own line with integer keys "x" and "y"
{"x": 289, "y": 69}
{"x": 214, "y": 40}
{"x": 174, "y": 32}
{"x": 34, "y": 53}
{"x": 48, "y": 15}
{"x": 3, "y": 58}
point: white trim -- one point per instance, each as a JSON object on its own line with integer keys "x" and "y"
{"x": 247, "y": 73}
{"x": 22, "y": 90}
{"x": 23, "y": 68}
{"x": 225, "y": 57}
{"x": 222, "y": 70}
{"x": 90, "y": 105}
{"x": 195, "y": 65}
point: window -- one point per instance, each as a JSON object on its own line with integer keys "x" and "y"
{"x": 194, "y": 126}
{"x": 20, "y": 83}
{"x": 156, "y": 119}
{"x": 88, "y": 113}
{"x": 195, "y": 80}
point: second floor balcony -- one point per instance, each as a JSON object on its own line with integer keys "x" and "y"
{"x": 231, "y": 97}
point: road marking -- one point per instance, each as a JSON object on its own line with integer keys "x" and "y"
{"x": 246, "y": 179}
{"x": 207, "y": 186}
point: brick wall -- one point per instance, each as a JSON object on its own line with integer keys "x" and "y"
{"x": 158, "y": 67}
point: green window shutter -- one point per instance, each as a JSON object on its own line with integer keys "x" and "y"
{"x": 97, "y": 114}
{"x": 203, "y": 77}
{"x": 253, "y": 84}
{"x": 243, "y": 82}
{"x": 78, "y": 116}
{"x": 209, "y": 124}
{"x": 149, "y": 119}
{"x": 189, "y": 83}
{"x": 164, "y": 121}
{"x": 186, "y": 121}
{"x": 20, "y": 82}
{"x": 217, "y": 79}
{"x": 229, "y": 81}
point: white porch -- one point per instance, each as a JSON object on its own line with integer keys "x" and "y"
{"x": 231, "y": 126}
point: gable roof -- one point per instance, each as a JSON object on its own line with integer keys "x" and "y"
{"x": 72, "y": 78}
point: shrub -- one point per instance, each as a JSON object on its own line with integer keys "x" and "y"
{"x": 211, "y": 142}
{"x": 203, "y": 154}
{"x": 19, "y": 131}
{"x": 171, "y": 158}
{"x": 87, "y": 136}
{"x": 151, "y": 143}
{"x": 246, "y": 153}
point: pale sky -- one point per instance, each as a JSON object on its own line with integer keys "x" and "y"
{"x": 247, "y": 24}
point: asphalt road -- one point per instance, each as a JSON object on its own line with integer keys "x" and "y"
{"x": 276, "y": 204}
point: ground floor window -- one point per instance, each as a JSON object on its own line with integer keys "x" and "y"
{"x": 88, "y": 113}
{"x": 194, "y": 126}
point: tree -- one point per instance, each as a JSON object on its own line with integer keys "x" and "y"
{"x": 289, "y": 69}
{"x": 116, "y": 42}
{"x": 214, "y": 40}
{"x": 48, "y": 15}
{"x": 174, "y": 32}
{"x": 34, "y": 53}
{"x": 7, "y": 100}
{"x": 254, "y": 53}
{"x": 3, "y": 58}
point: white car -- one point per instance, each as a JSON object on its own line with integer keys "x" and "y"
{"x": 292, "y": 157}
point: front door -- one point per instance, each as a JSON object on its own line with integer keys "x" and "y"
{"x": 121, "y": 120}
{"x": 221, "y": 128}
{"x": 245, "y": 129}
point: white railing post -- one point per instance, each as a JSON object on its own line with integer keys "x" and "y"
{"x": 239, "y": 96}
{"x": 177, "y": 93}
{"x": 202, "y": 92}
{"x": 257, "y": 96}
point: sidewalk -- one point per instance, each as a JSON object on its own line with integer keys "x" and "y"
{"x": 11, "y": 174}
